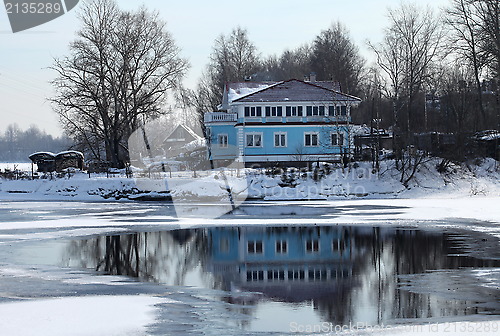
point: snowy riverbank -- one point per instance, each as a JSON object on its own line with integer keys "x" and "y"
{"x": 359, "y": 181}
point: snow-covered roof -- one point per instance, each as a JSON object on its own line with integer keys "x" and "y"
{"x": 70, "y": 153}
{"x": 187, "y": 129}
{"x": 43, "y": 156}
{"x": 299, "y": 91}
{"x": 239, "y": 90}
{"x": 236, "y": 90}
{"x": 195, "y": 144}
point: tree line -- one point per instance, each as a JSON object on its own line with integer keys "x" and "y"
{"x": 16, "y": 144}
{"x": 434, "y": 71}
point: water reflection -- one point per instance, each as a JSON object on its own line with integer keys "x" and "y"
{"x": 346, "y": 274}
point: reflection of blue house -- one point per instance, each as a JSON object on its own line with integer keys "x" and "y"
{"x": 280, "y": 260}
{"x": 290, "y": 123}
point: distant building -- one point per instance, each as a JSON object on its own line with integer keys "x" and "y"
{"x": 180, "y": 139}
{"x": 286, "y": 123}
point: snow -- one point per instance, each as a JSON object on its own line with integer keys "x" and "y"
{"x": 244, "y": 91}
{"x": 360, "y": 181}
{"x": 89, "y": 315}
{"x": 23, "y": 166}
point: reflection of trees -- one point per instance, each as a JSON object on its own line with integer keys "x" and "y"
{"x": 384, "y": 255}
{"x": 379, "y": 257}
{"x": 159, "y": 256}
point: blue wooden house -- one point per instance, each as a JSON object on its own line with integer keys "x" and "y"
{"x": 288, "y": 123}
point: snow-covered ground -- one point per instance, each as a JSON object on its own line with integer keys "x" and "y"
{"x": 360, "y": 181}
{"x": 88, "y": 315}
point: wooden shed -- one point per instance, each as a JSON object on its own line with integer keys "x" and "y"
{"x": 49, "y": 162}
{"x": 45, "y": 161}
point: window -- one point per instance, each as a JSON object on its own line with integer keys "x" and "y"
{"x": 254, "y": 140}
{"x": 253, "y": 111}
{"x": 310, "y": 139}
{"x": 312, "y": 245}
{"x": 275, "y": 275}
{"x": 337, "y": 139}
{"x": 294, "y": 111}
{"x": 317, "y": 274}
{"x": 222, "y": 140}
{"x": 274, "y": 111}
{"x": 254, "y": 247}
{"x": 339, "y": 110}
{"x": 255, "y": 275}
{"x": 281, "y": 247}
{"x": 280, "y": 139}
{"x": 338, "y": 245}
{"x": 296, "y": 275}
{"x": 331, "y": 110}
{"x": 343, "y": 110}
{"x": 315, "y": 111}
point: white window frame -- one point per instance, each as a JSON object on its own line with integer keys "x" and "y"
{"x": 311, "y": 134}
{"x": 254, "y": 243}
{"x": 280, "y": 243}
{"x": 294, "y": 111}
{"x": 220, "y": 141}
{"x": 254, "y": 134}
{"x": 252, "y": 111}
{"x": 338, "y": 135}
{"x": 313, "y": 250}
{"x": 273, "y": 111}
{"x": 280, "y": 144}
{"x": 255, "y": 275}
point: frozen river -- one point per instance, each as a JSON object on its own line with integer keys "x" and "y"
{"x": 281, "y": 268}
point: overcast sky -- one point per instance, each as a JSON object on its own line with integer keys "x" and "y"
{"x": 273, "y": 25}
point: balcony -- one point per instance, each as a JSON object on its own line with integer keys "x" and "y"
{"x": 212, "y": 117}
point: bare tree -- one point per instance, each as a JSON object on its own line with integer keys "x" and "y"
{"x": 120, "y": 67}
{"x": 233, "y": 58}
{"x": 411, "y": 45}
{"x": 463, "y": 19}
{"x": 290, "y": 64}
{"x": 488, "y": 12}
{"x": 336, "y": 57}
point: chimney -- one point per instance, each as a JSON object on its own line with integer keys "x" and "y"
{"x": 312, "y": 77}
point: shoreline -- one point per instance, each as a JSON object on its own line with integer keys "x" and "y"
{"x": 360, "y": 182}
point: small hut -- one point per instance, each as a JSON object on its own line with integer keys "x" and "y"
{"x": 45, "y": 161}
{"x": 68, "y": 159}
{"x": 49, "y": 162}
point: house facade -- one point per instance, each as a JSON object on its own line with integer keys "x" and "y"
{"x": 286, "y": 123}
